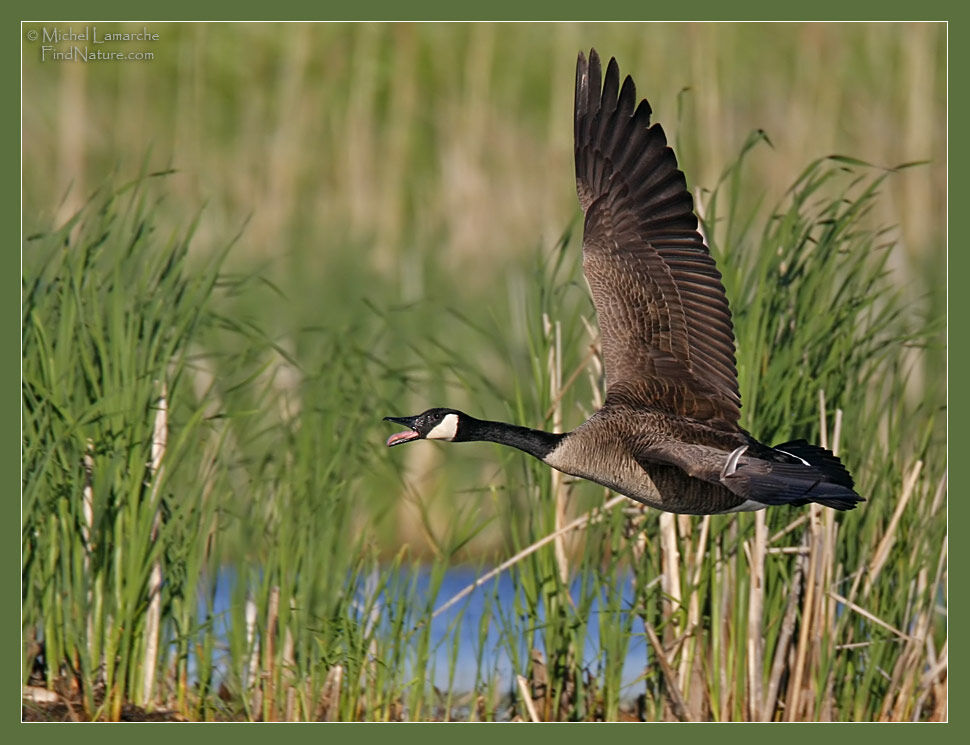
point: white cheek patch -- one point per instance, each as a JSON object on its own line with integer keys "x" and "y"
{"x": 446, "y": 429}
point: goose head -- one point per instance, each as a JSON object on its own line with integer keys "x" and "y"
{"x": 433, "y": 424}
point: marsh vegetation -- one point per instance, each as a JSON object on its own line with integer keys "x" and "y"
{"x": 305, "y": 228}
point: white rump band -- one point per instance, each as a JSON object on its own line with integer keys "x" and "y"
{"x": 731, "y": 465}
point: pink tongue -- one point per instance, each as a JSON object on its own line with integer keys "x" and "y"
{"x": 401, "y": 437}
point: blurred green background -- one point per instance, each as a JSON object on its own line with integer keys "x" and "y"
{"x": 356, "y": 220}
{"x": 396, "y": 183}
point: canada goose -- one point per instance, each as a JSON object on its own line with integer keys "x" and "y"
{"x": 668, "y": 433}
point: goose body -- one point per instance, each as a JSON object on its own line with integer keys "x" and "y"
{"x": 668, "y": 433}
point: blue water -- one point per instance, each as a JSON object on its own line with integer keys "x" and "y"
{"x": 468, "y": 612}
{"x": 464, "y": 619}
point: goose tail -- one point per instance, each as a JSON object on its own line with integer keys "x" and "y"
{"x": 799, "y": 473}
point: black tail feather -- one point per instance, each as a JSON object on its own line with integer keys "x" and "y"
{"x": 824, "y": 460}
{"x": 786, "y": 479}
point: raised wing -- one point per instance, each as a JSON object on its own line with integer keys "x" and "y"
{"x": 664, "y": 320}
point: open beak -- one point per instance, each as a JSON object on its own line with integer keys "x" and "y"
{"x": 409, "y": 434}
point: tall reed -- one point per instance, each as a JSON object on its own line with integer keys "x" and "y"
{"x": 113, "y": 433}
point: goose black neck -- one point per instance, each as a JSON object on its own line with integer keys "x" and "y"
{"x": 532, "y": 441}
